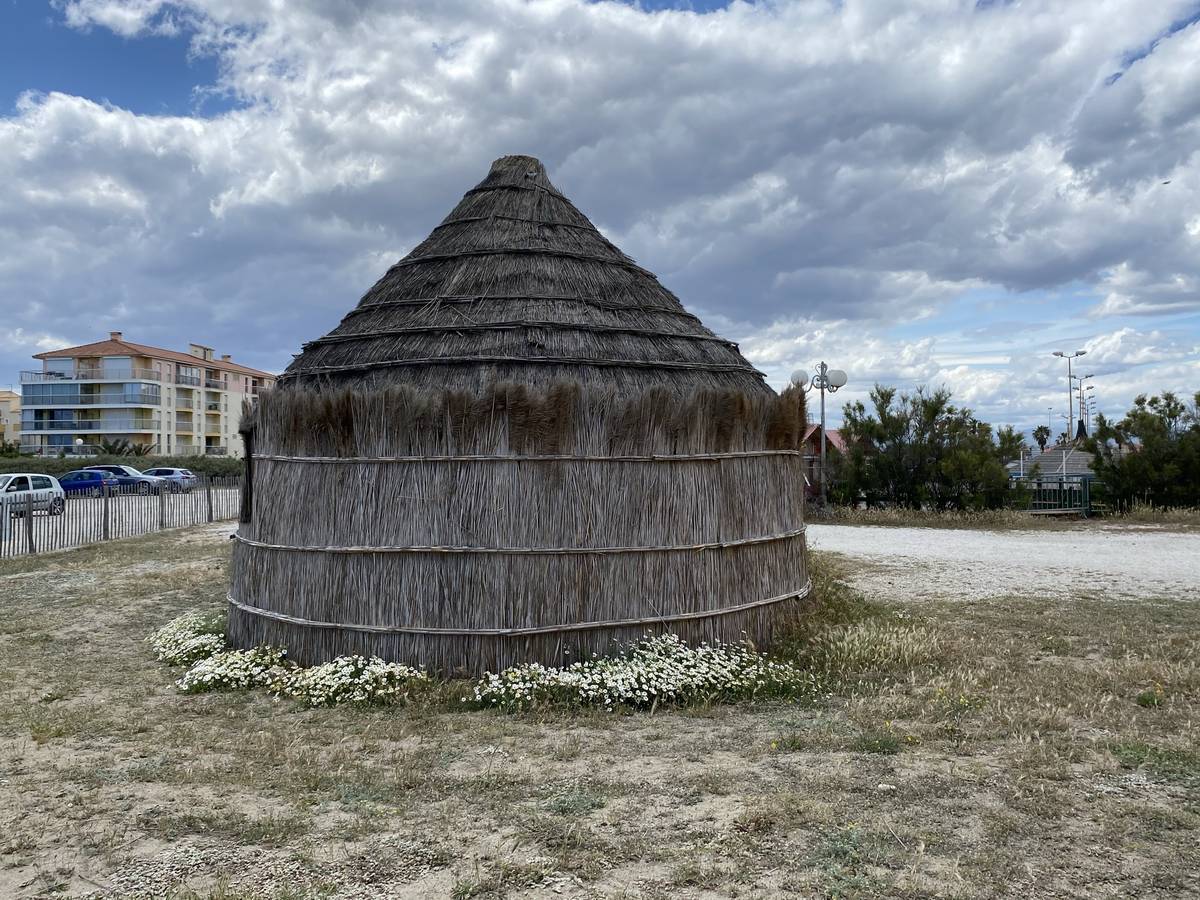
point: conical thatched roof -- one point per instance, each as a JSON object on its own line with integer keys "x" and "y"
{"x": 516, "y": 285}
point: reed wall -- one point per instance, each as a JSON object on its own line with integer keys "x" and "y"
{"x": 467, "y": 532}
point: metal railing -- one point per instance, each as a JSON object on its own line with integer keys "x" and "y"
{"x": 131, "y": 374}
{"x": 188, "y": 379}
{"x": 126, "y": 399}
{"x": 216, "y": 450}
{"x": 214, "y": 384}
{"x": 135, "y": 425}
{"x": 184, "y": 403}
{"x": 30, "y": 524}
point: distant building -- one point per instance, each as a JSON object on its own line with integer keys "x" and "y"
{"x": 178, "y": 404}
{"x": 1054, "y": 463}
{"x": 835, "y": 447}
{"x": 10, "y": 416}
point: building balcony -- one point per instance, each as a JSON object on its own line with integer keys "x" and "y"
{"x": 214, "y": 384}
{"x": 95, "y": 425}
{"x": 188, "y": 379}
{"x": 215, "y": 450}
{"x": 93, "y": 400}
{"x": 212, "y": 407}
{"x": 183, "y": 403}
{"x": 91, "y": 375}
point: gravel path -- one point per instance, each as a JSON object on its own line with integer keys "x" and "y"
{"x": 968, "y": 564}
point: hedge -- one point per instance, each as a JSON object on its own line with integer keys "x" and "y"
{"x": 52, "y": 465}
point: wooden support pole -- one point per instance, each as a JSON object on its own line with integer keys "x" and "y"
{"x": 29, "y": 523}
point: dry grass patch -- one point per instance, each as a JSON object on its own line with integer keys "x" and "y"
{"x": 954, "y": 750}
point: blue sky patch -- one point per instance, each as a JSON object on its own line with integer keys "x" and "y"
{"x": 151, "y": 75}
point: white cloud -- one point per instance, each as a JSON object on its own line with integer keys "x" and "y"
{"x": 809, "y": 176}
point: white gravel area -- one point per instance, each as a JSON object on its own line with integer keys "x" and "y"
{"x": 971, "y": 564}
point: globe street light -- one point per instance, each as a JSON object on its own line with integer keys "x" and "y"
{"x": 1070, "y": 386}
{"x": 825, "y": 379}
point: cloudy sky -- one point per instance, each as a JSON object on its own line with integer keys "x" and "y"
{"x": 932, "y": 192}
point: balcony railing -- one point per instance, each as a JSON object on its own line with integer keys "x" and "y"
{"x": 188, "y": 379}
{"x": 91, "y": 375}
{"x": 47, "y": 450}
{"x": 214, "y": 383}
{"x": 212, "y": 407}
{"x": 215, "y": 450}
{"x": 136, "y": 425}
{"x": 181, "y": 403}
{"x": 94, "y": 399}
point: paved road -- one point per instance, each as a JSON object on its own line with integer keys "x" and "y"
{"x": 973, "y": 564}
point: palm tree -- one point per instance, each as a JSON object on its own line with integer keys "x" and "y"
{"x": 1041, "y": 435}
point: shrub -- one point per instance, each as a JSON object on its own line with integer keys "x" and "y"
{"x": 49, "y": 465}
{"x": 1151, "y": 698}
{"x": 656, "y": 671}
{"x": 350, "y": 679}
{"x": 233, "y": 670}
{"x": 188, "y": 638}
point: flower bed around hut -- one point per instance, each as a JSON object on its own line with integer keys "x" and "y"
{"x": 654, "y": 672}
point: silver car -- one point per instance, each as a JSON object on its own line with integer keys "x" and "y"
{"x": 21, "y": 490}
{"x": 180, "y": 480}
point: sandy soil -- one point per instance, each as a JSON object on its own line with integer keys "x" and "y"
{"x": 920, "y": 563}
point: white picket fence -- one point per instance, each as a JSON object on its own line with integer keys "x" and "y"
{"x": 25, "y": 529}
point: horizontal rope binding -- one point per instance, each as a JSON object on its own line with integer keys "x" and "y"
{"x": 449, "y": 299}
{"x": 519, "y": 551}
{"x": 522, "y": 632}
{"x": 581, "y": 361}
{"x": 516, "y": 325}
{"x": 682, "y": 457}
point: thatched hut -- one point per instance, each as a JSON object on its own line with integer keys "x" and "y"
{"x": 518, "y": 447}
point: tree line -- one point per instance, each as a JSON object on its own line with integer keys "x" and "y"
{"x": 920, "y": 450}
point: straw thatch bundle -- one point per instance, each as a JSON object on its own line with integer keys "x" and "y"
{"x": 518, "y": 447}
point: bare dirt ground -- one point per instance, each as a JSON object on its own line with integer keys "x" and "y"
{"x": 1033, "y": 745}
{"x": 973, "y": 564}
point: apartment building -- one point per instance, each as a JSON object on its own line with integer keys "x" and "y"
{"x": 10, "y": 416}
{"x": 178, "y": 404}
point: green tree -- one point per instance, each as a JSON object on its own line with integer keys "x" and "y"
{"x": 1010, "y": 443}
{"x": 1041, "y": 435}
{"x": 920, "y": 450}
{"x": 1152, "y": 455}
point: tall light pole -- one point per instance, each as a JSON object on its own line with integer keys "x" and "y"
{"x": 1070, "y": 388}
{"x": 825, "y": 379}
{"x": 1079, "y": 380}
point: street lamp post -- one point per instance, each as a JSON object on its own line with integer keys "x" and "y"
{"x": 1079, "y": 380}
{"x": 1070, "y": 388}
{"x": 825, "y": 379}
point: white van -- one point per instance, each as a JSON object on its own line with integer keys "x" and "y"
{"x": 17, "y": 488}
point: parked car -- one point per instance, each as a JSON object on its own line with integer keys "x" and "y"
{"x": 178, "y": 479}
{"x": 89, "y": 482}
{"x": 19, "y": 488}
{"x": 130, "y": 479}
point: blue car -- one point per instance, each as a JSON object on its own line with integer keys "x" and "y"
{"x": 88, "y": 482}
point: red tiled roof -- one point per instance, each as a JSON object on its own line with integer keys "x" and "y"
{"x": 113, "y": 347}
{"x": 832, "y": 436}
